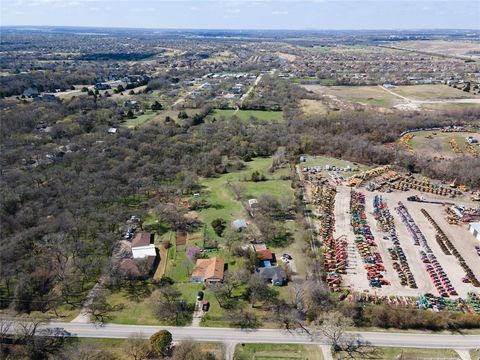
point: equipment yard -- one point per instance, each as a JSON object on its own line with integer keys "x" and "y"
{"x": 388, "y": 242}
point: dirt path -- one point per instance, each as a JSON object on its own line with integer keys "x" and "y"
{"x": 197, "y": 314}
{"x": 411, "y": 104}
{"x": 256, "y": 82}
{"x": 84, "y": 316}
{"x": 162, "y": 265}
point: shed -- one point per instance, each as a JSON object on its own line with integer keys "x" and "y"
{"x": 239, "y": 224}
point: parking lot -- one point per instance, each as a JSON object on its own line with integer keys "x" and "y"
{"x": 448, "y": 268}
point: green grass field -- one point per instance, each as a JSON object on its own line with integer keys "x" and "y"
{"x": 116, "y": 347}
{"x": 222, "y": 199}
{"x": 277, "y": 351}
{"x": 157, "y": 117}
{"x": 245, "y": 115}
{"x": 141, "y": 119}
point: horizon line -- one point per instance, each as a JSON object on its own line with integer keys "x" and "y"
{"x": 236, "y": 29}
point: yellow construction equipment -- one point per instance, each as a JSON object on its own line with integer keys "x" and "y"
{"x": 453, "y": 184}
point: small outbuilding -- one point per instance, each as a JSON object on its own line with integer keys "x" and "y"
{"x": 239, "y": 224}
{"x": 474, "y": 228}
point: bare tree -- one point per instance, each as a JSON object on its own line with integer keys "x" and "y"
{"x": 332, "y": 326}
{"x": 137, "y": 347}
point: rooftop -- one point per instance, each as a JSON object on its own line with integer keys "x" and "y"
{"x": 209, "y": 268}
{"x": 140, "y": 252}
{"x": 142, "y": 238}
{"x": 475, "y": 226}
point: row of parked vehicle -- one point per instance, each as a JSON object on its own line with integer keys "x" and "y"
{"x": 469, "y": 275}
{"x": 365, "y": 241}
{"x": 400, "y": 263}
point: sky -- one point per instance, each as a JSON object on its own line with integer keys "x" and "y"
{"x": 245, "y": 14}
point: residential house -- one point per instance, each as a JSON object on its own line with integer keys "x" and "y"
{"x": 142, "y": 246}
{"x": 143, "y": 260}
{"x": 273, "y": 274}
{"x": 209, "y": 270}
{"x": 265, "y": 258}
{"x": 30, "y": 93}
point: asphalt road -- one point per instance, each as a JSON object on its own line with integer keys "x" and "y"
{"x": 269, "y": 335}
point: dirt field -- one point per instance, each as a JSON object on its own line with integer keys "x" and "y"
{"x": 310, "y": 107}
{"x": 363, "y": 95}
{"x": 413, "y": 97}
{"x": 432, "y": 92}
{"x": 438, "y": 145}
{"x": 450, "y": 48}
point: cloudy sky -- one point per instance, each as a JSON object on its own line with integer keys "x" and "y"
{"x": 246, "y": 14}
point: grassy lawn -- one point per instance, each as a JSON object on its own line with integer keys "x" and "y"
{"x": 390, "y": 353}
{"x": 141, "y": 119}
{"x": 113, "y": 346}
{"x": 179, "y": 268}
{"x": 134, "y": 313}
{"x": 222, "y": 199}
{"x": 245, "y": 115}
{"x": 157, "y": 116}
{"x": 277, "y": 351}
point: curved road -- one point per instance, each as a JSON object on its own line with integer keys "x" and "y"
{"x": 421, "y": 340}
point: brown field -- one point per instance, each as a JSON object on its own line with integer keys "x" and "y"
{"x": 311, "y": 107}
{"x": 432, "y": 92}
{"x": 438, "y": 145}
{"x": 443, "y": 47}
{"x": 180, "y": 238}
{"x": 364, "y": 95}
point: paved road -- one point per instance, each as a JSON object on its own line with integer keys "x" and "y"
{"x": 269, "y": 335}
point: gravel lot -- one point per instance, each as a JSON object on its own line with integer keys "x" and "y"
{"x": 458, "y": 234}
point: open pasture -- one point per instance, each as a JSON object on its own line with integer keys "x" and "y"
{"x": 432, "y": 92}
